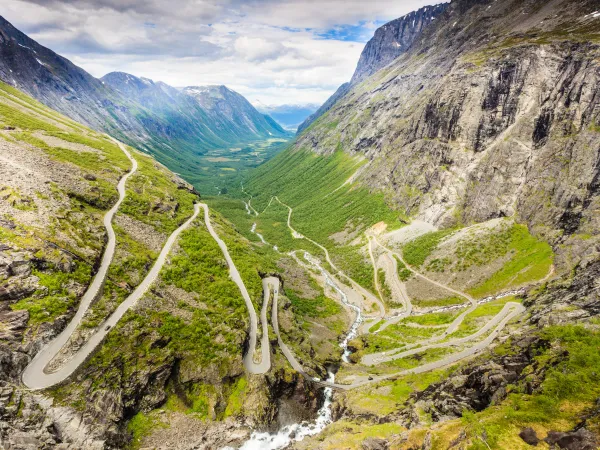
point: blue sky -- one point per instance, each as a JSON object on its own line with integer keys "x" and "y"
{"x": 272, "y": 51}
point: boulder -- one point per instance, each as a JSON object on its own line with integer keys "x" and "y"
{"x": 529, "y": 436}
{"x": 581, "y": 439}
{"x": 374, "y": 444}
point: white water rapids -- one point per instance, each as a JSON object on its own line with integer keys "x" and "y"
{"x": 298, "y": 431}
{"x": 294, "y": 432}
{"x": 359, "y": 318}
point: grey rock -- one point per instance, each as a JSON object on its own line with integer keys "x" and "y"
{"x": 529, "y": 436}
{"x": 13, "y": 324}
{"x": 581, "y": 439}
{"x": 390, "y": 41}
{"x": 394, "y": 39}
{"x": 374, "y": 444}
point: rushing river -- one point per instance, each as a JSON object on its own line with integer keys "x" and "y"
{"x": 298, "y": 431}
{"x": 294, "y": 432}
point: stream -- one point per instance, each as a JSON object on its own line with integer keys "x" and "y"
{"x": 298, "y": 431}
{"x": 353, "y": 332}
{"x": 294, "y": 432}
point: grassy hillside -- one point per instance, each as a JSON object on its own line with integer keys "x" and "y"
{"x": 326, "y": 209}
{"x": 184, "y": 340}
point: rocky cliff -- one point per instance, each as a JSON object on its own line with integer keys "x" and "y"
{"x": 390, "y": 41}
{"x": 492, "y": 113}
{"x": 393, "y": 39}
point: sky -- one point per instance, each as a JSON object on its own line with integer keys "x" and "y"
{"x": 273, "y": 52}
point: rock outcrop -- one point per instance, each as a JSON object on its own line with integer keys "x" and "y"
{"x": 394, "y": 39}
{"x": 390, "y": 41}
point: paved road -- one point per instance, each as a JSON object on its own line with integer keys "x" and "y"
{"x": 509, "y": 311}
{"x": 35, "y": 375}
{"x": 273, "y": 283}
{"x": 456, "y": 323}
{"x": 377, "y": 358}
{"x": 251, "y": 366}
{"x": 444, "y": 362}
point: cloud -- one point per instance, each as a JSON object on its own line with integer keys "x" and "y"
{"x": 275, "y": 51}
{"x": 258, "y": 49}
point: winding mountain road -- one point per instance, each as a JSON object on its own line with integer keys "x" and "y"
{"x": 35, "y": 375}
{"x": 496, "y": 324}
{"x": 251, "y": 366}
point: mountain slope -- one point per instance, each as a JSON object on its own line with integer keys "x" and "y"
{"x": 151, "y": 116}
{"x": 389, "y": 42}
{"x": 181, "y": 344}
{"x": 493, "y": 100}
{"x": 490, "y": 117}
{"x": 232, "y": 114}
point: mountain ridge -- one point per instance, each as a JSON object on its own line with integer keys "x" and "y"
{"x": 389, "y": 42}
{"x": 151, "y": 116}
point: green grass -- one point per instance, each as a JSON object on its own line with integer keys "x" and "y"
{"x": 236, "y": 399}
{"x": 403, "y": 272}
{"x": 152, "y": 186}
{"x": 319, "y": 306}
{"x": 530, "y": 260}
{"x": 571, "y": 385}
{"x": 136, "y": 261}
{"x": 442, "y": 318}
{"x": 438, "y": 302}
{"x": 142, "y": 425}
{"x": 20, "y": 98}
{"x": 53, "y": 299}
{"x": 473, "y": 321}
{"x": 418, "y": 359}
{"x": 418, "y": 250}
{"x": 396, "y": 336}
{"x": 21, "y": 120}
{"x": 309, "y": 183}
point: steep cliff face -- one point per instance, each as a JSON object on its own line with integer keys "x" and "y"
{"x": 393, "y": 39}
{"x": 493, "y": 112}
{"x": 390, "y": 41}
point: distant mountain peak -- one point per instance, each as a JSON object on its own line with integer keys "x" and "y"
{"x": 389, "y": 42}
{"x": 393, "y": 39}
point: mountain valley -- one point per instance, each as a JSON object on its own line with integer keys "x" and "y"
{"x": 416, "y": 269}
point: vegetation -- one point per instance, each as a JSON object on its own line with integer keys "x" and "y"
{"x": 530, "y": 260}
{"x": 443, "y": 318}
{"x": 53, "y": 298}
{"x": 418, "y": 250}
{"x": 403, "y": 272}
{"x": 312, "y": 185}
{"x": 473, "y": 321}
{"x": 153, "y": 197}
{"x": 386, "y": 397}
{"x": 319, "y": 306}
{"x": 571, "y": 385}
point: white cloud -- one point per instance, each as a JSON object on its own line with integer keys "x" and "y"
{"x": 258, "y": 49}
{"x": 268, "y": 50}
